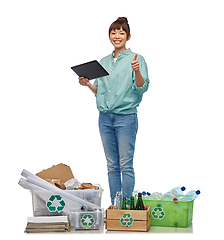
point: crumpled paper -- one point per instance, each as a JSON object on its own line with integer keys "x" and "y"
{"x": 88, "y": 186}
{"x": 57, "y": 182}
{"x": 72, "y": 183}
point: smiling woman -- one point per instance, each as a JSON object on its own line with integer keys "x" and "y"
{"x": 118, "y": 96}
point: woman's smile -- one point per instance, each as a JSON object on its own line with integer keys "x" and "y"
{"x": 117, "y": 42}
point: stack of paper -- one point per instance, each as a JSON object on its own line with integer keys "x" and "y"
{"x": 47, "y": 224}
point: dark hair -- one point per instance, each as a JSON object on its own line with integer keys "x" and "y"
{"x": 121, "y": 22}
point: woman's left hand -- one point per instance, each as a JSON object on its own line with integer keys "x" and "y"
{"x": 135, "y": 64}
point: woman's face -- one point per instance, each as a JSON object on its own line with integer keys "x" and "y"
{"x": 119, "y": 38}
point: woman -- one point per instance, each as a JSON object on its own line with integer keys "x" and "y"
{"x": 117, "y": 96}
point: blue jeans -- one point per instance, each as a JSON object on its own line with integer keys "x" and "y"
{"x": 118, "y": 134}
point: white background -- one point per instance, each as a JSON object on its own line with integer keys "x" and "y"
{"x": 48, "y": 118}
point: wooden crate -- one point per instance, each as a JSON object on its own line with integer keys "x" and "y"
{"x": 128, "y": 220}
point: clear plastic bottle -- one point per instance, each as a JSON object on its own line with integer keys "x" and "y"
{"x": 155, "y": 196}
{"x": 176, "y": 192}
{"x": 190, "y": 196}
{"x": 145, "y": 195}
{"x": 167, "y": 198}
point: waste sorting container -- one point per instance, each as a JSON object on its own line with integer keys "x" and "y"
{"x": 170, "y": 213}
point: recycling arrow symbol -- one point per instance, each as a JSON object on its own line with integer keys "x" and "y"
{"x": 55, "y": 203}
{"x": 126, "y": 220}
{"x": 87, "y": 220}
{"x": 158, "y": 213}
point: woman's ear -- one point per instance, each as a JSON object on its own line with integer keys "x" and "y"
{"x": 129, "y": 37}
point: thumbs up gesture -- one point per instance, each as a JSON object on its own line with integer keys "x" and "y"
{"x": 135, "y": 64}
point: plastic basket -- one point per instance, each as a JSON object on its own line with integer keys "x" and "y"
{"x": 170, "y": 213}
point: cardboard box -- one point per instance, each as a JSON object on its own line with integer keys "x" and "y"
{"x": 128, "y": 220}
{"x": 60, "y": 171}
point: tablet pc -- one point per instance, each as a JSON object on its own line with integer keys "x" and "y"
{"x": 90, "y": 70}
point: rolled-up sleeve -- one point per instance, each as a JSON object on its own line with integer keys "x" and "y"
{"x": 144, "y": 72}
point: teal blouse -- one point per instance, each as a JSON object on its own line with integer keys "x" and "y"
{"x": 117, "y": 92}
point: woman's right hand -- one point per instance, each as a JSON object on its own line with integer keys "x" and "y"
{"x": 84, "y": 81}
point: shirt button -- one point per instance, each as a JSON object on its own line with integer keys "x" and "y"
{"x": 109, "y": 90}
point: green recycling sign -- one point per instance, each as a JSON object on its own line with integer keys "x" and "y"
{"x": 158, "y": 213}
{"x": 87, "y": 220}
{"x": 126, "y": 220}
{"x": 55, "y": 203}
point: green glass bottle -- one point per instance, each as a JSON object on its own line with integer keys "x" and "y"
{"x": 139, "y": 205}
{"x": 132, "y": 203}
{"x": 124, "y": 203}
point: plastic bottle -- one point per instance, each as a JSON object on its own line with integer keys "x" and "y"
{"x": 145, "y": 195}
{"x": 173, "y": 193}
{"x": 190, "y": 196}
{"x": 155, "y": 196}
{"x": 167, "y": 198}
